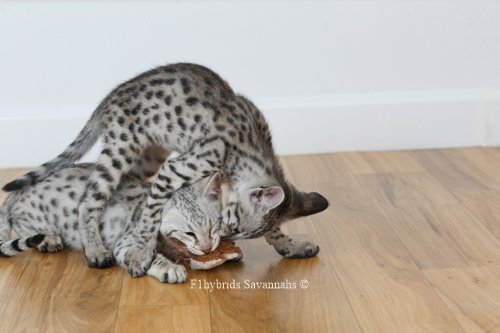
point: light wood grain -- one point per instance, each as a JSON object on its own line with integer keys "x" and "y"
{"x": 426, "y": 217}
{"x": 163, "y": 318}
{"x": 473, "y": 294}
{"x": 410, "y": 243}
{"x": 386, "y": 290}
{"x": 148, "y": 291}
{"x": 242, "y": 308}
{"x": 381, "y": 162}
{"x": 473, "y": 181}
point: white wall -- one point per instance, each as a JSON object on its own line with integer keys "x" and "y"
{"x": 329, "y": 75}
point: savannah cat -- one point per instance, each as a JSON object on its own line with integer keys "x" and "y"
{"x": 189, "y": 109}
{"x": 46, "y": 217}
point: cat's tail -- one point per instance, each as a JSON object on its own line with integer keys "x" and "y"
{"x": 83, "y": 142}
{"x": 12, "y": 247}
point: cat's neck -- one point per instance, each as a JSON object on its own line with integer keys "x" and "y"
{"x": 249, "y": 173}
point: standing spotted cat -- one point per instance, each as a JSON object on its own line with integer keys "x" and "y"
{"x": 189, "y": 109}
{"x": 45, "y": 216}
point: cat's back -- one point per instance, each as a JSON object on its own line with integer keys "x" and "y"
{"x": 197, "y": 99}
{"x": 174, "y": 80}
{"x": 51, "y": 206}
{"x": 60, "y": 192}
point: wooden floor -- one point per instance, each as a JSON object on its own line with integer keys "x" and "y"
{"x": 411, "y": 243}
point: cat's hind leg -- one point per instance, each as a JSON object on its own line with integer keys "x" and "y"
{"x": 50, "y": 243}
{"x": 115, "y": 160}
{"x": 149, "y": 163}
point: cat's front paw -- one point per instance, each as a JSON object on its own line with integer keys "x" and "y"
{"x": 50, "y": 244}
{"x": 171, "y": 273}
{"x": 138, "y": 260}
{"x": 99, "y": 257}
{"x": 297, "y": 249}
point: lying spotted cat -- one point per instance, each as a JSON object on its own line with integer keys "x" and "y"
{"x": 45, "y": 216}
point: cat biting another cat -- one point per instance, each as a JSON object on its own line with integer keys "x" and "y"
{"x": 189, "y": 109}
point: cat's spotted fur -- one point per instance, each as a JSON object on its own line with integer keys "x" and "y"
{"x": 45, "y": 216}
{"x": 189, "y": 109}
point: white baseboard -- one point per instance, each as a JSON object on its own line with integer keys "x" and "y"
{"x": 386, "y": 121}
{"x": 300, "y": 125}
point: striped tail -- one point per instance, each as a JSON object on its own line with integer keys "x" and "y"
{"x": 83, "y": 142}
{"x": 13, "y": 247}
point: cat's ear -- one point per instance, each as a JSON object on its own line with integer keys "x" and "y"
{"x": 263, "y": 199}
{"x": 306, "y": 203}
{"x": 213, "y": 189}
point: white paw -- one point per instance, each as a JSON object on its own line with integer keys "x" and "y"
{"x": 138, "y": 259}
{"x": 50, "y": 244}
{"x": 99, "y": 257}
{"x": 170, "y": 273}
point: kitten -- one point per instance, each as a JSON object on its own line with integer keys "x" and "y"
{"x": 189, "y": 109}
{"x": 46, "y": 217}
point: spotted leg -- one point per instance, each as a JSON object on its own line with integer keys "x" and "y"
{"x": 288, "y": 247}
{"x": 174, "y": 174}
{"x": 161, "y": 268}
{"x": 112, "y": 163}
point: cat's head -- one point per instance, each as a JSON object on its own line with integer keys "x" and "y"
{"x": 193, "y": 215}
{"x": 251, "y": 212}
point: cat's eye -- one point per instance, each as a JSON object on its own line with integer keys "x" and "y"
{"x": 191, "y": 234}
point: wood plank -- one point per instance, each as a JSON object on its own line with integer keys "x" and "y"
{"x": 481, "y": 163}
{"x": 385, "y": 288}
{"x": 27, "y": 309}
{"x": 149, "y": 291}
{"x": 433, "y": 225}
{"x": 164, "y": 318}
{"x": 464, "y": 178}
{"x": 238, "y": 305}
{"x": 391, "y": 214}
{"x": 78, "y": 280}
{"x": 10, "y": 272}
{"x": 58, "y": 292}
{"x": 451, "y": 173}
{"x": 88, "y": 296}
{"x": 472, "y": 293}
{"x": 381, "y": 162}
